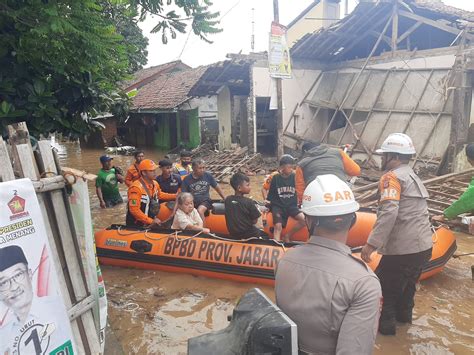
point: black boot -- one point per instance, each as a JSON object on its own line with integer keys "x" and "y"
{"x": 405, "y": 316}
{"x": 387, "y": 327}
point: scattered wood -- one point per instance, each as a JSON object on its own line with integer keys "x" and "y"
{"x": 223, "y": 164}
{"x": 443, "y": 190}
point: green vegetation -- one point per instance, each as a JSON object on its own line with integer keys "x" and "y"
{"x": 62, "y": 61}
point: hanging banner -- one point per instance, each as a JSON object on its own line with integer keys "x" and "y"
{"x": 81, "y": 214}
{"x": 33, "y": 317}
{"x": 279, "y": 63}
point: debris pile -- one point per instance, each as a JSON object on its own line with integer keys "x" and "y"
{"x": 223, "y": 164}
{"x": 443, "y": 190}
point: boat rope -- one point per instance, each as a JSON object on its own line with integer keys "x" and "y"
{"x": 175, "y": 236}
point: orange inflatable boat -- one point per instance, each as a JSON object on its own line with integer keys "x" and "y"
{"x": 218, "y": 256}
{"x": 215, "y": 221}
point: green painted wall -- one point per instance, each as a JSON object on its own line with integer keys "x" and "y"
{"x": 162, "y": 134}
{"x": 194, "y": 131}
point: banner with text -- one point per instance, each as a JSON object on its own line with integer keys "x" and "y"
{"x": 33, "y": 317}
{"x": 279, "y": 63}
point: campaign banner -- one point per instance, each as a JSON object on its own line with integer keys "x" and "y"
{"x": 33, "y": 316}
{"x": 279, "y": 63}
{"x": 81, "y": 213}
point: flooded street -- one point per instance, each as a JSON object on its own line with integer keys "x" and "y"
{"x": 153, "y": 312}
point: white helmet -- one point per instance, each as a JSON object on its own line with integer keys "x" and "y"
{"x": 327, "y": 195}
{"x": 397, "y": 143}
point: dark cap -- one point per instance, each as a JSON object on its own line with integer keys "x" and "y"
{"x": 287, "y": 159}
{"x": 105, "y": 158}
{"x": 10, "y": 256}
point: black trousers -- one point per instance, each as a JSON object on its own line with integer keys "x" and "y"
{"x": 398, "y": 276}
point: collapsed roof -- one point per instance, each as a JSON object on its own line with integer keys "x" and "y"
{"x": 421, "y": 25}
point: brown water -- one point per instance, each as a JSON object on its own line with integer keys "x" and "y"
{"x": 153, "y": 312}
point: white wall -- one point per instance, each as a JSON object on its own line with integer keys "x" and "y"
{"x": 294, "y": 90}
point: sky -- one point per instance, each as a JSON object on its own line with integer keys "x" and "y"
{"x": 236, "y": 22}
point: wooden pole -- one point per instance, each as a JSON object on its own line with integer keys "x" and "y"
{"x": 279, "y": 113}
{"x": 394, "y": 28}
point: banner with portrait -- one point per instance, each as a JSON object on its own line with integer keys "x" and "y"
{"x": 279, "y": 63}
{"x": 33, "y": 316}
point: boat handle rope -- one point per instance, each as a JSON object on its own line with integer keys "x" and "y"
{"x": 175, "y": 236}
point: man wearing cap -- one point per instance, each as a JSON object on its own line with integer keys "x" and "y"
{"x": 319, "y": 159}
{"x": 333, "y": 298}
{"x": 31, "y": 325}
{"x": 106, "y": 184}
{"x": 402, "y": 232}
{"x": 143, "y": 197}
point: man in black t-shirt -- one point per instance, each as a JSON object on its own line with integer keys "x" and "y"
{"x": 169, "y": 182}
{"x": 199, "y": 184}
{"x": 284, "y": 201}
{"x": 241, "y": 214}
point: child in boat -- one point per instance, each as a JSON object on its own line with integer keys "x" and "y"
{"x": 169, "y": 182}
{"x": 186, "y": 216}
{"x": 241, "y": 214}
{"x": 283, "y": 199}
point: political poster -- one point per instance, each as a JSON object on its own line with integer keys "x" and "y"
{"x": 279, "y": 63}
{"x": 81, "y": 213}
{"x": 33, "y": 316}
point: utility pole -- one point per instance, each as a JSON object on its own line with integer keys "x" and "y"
{"x": 252, "y": 40}
{"x": 279, "y": 113}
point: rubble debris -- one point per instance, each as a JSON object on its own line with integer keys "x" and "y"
{"x": 223, "y": 164}
{"x": 443, "y": 190}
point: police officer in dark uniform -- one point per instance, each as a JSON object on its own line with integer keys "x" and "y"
{"x": 333, "y": 297}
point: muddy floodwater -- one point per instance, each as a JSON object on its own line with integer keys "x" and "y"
{"x": 152, "y": 312}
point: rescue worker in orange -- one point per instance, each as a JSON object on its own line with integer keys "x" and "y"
{"x": 402, "y": 232}
{"x": 318, "y": 159}
{"x": 143, "y": 197}
{"x": 133, "y": 173}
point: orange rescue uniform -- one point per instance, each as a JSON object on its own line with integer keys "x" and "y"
{"x": 139, "y": 201}
{"x": 133, "y": 174}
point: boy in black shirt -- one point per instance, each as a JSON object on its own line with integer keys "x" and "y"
{"x": 241, "y": 214}
{"x": 169, "y": 182}
{"x": 283, "y": 199}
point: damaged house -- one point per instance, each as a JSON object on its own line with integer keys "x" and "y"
{"x": 387, "y": 67}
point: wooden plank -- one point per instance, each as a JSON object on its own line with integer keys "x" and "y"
{"x": 6, "y": 172}
{"x": 49, "y": 184}
{"x": 18, "y": 134}
{"x": 79, "y": 173}
{"x": 394, "y": 28}
{"x": 409, "y": 32}
{"x": 47, "y": 164}
{"x": 429, "y": 22}
{"x": 71, "y": 252}
{"x": 24, "y": 153}
{"x": 82, "y": 307}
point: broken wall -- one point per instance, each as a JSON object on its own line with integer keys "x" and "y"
{"x": 410, "y": 96}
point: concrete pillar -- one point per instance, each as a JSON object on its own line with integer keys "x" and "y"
{"x": 224, "y": 109}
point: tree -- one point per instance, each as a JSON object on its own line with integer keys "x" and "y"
{"x": 62, "y": 61}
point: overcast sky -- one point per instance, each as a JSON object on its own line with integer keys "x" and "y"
{"x": 236, "y": 22}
